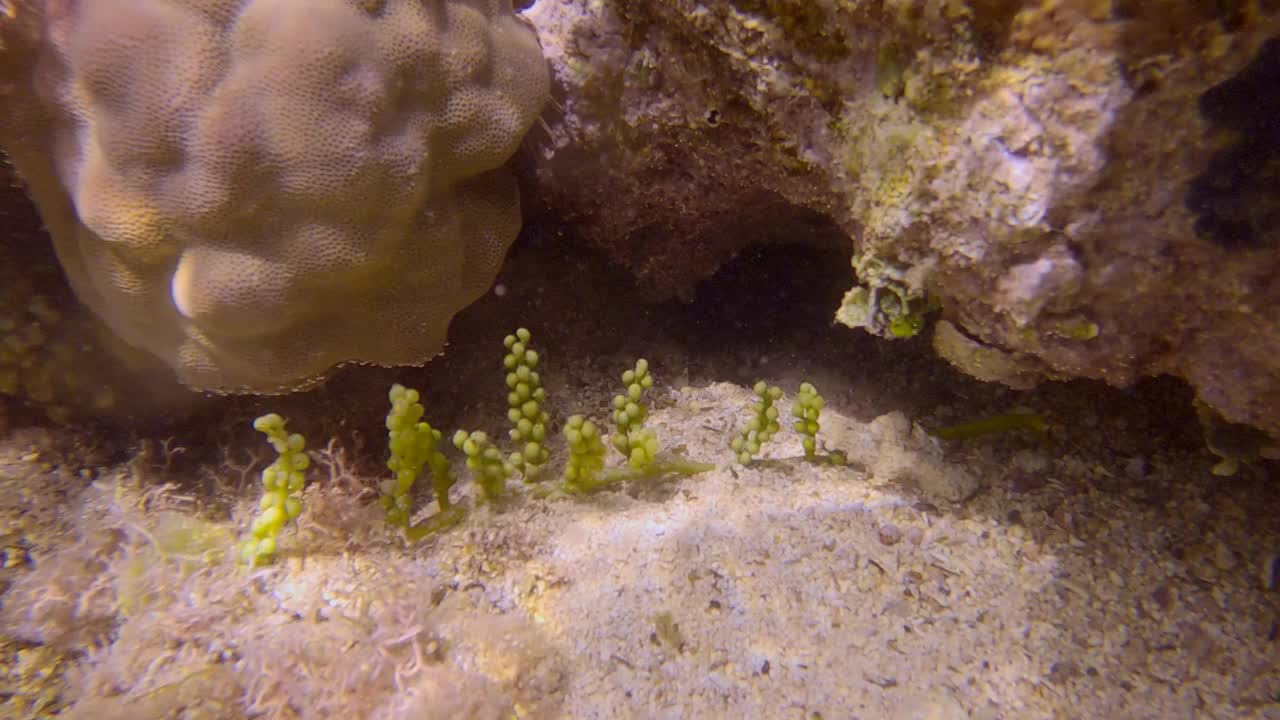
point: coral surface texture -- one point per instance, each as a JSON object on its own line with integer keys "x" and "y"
{"x": 242, "y": 187}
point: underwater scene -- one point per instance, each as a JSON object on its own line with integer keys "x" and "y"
{"x": 652, "y": 359}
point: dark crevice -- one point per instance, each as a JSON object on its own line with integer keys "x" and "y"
{"x": 1236, "y": 201}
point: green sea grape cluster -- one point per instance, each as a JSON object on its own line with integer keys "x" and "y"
{"x": 807, "y": 410}
{"x": 529, "y": 420}
{"x": 586, "y": 472}
{"x": 486, "y": 463}
{"x": 808, "y": 406}
{"x": 762, "y": 426}
{"x": 638, "y": 444}
{"x": 282, "y": 483}
{"x": 525, "y": 398}
{"x": 414, "y": 444}
{"x": 586, "y": 454}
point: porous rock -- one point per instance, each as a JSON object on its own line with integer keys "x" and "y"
{"x": 1086, "y": 187}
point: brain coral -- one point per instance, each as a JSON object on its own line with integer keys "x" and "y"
{"x": 258, "y": 190}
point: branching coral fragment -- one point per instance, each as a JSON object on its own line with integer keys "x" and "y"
{"x": 884, "y": 303}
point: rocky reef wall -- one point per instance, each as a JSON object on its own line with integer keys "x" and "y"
{"x": 1080, "y": 189}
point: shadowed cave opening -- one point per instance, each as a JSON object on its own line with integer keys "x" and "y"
{"x": 765, "y": 314}
{"x": 768, "y": 313}
{"x": 1235, "y": 200}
